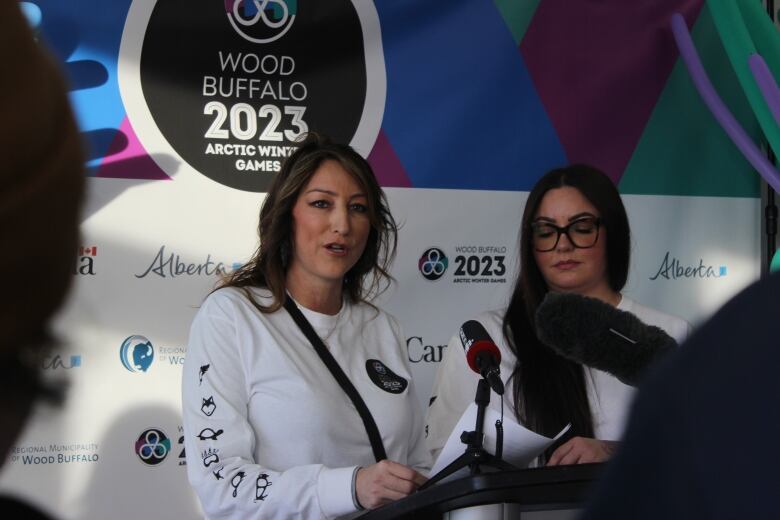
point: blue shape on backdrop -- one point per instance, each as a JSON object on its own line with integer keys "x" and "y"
{"x": 462, "y": 111}
{"x": 101, "y": 139}
{"x": 32, "y": 12}
{"x": 90, "y": 60}
{"x": 86, "y": 74}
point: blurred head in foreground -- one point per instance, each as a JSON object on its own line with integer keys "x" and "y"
{"x": 41, "y": 190}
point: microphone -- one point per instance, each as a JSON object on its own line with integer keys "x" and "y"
{"x": 482, "y": 354}
{"x": 594, "y": 333}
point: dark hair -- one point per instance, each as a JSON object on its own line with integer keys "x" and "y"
{"x": 268, "y": 266}
{"x": 549, "y": 390}
{"x": 41, "y": 193}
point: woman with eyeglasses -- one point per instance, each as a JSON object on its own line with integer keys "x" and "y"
{"x": 575, "y": 238}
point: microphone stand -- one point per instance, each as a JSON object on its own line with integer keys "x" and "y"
{"x": 475, "y": 455}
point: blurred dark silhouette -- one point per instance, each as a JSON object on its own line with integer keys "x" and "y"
{"x": 700, "y": 441}
{"x": 41, "y": 192}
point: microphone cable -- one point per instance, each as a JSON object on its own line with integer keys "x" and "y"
{"x": 500, "y": 431}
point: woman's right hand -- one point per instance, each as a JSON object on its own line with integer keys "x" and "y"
{"x": 582, "y": 450}
{"x": 384, "y": 482}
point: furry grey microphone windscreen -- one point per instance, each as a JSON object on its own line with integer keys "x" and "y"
{"x": 594, "y": 333}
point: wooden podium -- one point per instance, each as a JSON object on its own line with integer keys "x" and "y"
{"x": 537, "y": 489}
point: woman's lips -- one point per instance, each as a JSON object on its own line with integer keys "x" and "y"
{"x": 337, "y": 249}
{"x": 566, "y": 265}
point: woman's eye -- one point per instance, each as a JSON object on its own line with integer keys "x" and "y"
{"x": 359, "y": 208}
{"x": 319, "y": 203}
{"x": 544, "y": 232}
{"x": 585, "y": 227}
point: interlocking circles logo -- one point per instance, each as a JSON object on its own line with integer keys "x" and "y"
{"x": 432, "y": 264}
{"x": 152, "y": 446}
{"x": 261, "y": 21}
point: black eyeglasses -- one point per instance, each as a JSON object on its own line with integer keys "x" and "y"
{"x": 582, "y": 233}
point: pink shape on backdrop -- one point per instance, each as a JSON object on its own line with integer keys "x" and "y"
{"x": 132, "y": 162}
{"x": 387, "y": 166}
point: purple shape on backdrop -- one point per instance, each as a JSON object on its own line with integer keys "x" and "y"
{"x": 766, "y": 83}
{"x": 599, "y": 68}
{"x": 128, "y": 159}
{"x": 387, "y": 166}
{"x": 722, "y": 114}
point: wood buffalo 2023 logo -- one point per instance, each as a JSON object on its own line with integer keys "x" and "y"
{"x": 232, "y": 86}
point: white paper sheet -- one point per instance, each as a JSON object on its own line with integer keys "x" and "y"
{"x": 521, "y": 445}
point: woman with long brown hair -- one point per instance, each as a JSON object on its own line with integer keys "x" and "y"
{"x": 268, "y": 431}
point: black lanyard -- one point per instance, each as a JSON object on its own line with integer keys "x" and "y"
{"x": 341, "y": 378}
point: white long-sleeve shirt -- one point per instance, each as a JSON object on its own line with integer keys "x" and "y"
{"x": 268, "y": 431}
{"x": 456, "y": 385}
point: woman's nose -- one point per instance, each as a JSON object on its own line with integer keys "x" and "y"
{"x": 340, "y": 221}
{"x": 564, "y": 243}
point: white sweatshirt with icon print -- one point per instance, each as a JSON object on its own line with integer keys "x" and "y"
{"x": 268, "y": 431}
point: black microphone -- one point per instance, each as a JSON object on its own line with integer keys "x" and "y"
{"x": 482, "y": 354}
{"x": 594, "y": 333}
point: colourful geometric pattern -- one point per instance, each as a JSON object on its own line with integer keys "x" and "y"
{"x": 462, "y": 111}
{"x": 608, "y": 80}
{"x": 683, "y": 151}
{"x": 590, "y": 63}
{"x": 486, "y": 95}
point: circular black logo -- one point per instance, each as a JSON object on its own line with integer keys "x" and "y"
{"x": 433, "y": 263}
{"x": 152, "y": 446}
{"x": 233, "y": 85}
